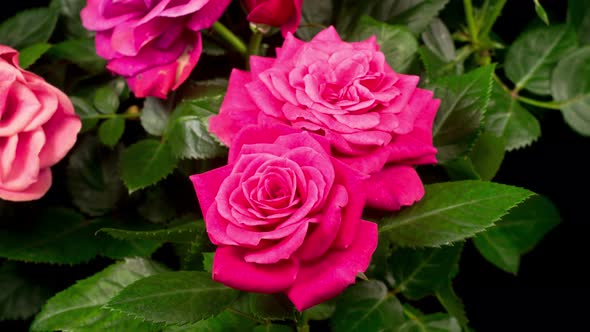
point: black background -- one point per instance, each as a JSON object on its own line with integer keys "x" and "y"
{"x": 551, "y": 290}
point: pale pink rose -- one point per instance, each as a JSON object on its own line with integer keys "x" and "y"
{"x": 285, "y": 14}
{"x": 38, "y": 127}
{"x": 286, "y": 216}
{"x": 376, "y": 120}
{"x": 153, "y": 44}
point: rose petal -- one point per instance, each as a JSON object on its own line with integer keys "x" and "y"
{"x": 394, "y": 187}
{"x": 323, "y": 279}
{"x": 35, "y": 191}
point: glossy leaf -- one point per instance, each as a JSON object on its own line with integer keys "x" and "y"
{"x": 451, "y": 211}
{"x": 225, "y": 322}
{"x": 265, "y": 306}
{"x": 420, "y": 272}
{"x": 541, "y": 12}
{"x": 366, "y": 306}
{"x": 31, "y": 54}
{"x": 507, "y": 118}
{"x": 571, "y": 86}
{"x": 174, "y": 298}
{"x": 86, "y": 112}
{"x": 419, "y": 322}
{"x": 111, "y": 130}
{"x": 79, "y": 308}
{"x": 28, "y": 27}
{"x": 154, "y": 116}
{"x": 92, "y": 177}
{"x": 517, "y": 233}
{"x": 145, "y": 163}
{"x": 80, "y": 52}
{"x": 437, "y": 39}
{"x": 532, "y": 57}
{"x": 482, "y": 162}
{"x": 314, "y": 14}
{"x": 578, "y": 17}
{"x": 416, "y": 14}
{"x": 452, "y": 303}
{"x": 396, "y": 42}
{"x": 106, "y": 100}
{"x": 464, "y": 100}
{"x": 184, "y": 232}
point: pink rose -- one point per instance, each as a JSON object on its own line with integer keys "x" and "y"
{"x": 286, "y": 216}
{"x": 285, "y": 14}
{"x": 38, "y": 127}
{"x": 376, "y": 120}
{"x": 153, "y": 44}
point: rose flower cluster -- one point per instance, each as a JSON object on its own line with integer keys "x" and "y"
{"x": 315, "y": 135}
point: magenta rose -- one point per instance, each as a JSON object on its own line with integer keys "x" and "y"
{"x": 38, "y": 127}
{"x": 286, "y": 216}
{"x": 376, "y": 120}
{"x": 153, "y": 44}
{"x": 285, "y": 14}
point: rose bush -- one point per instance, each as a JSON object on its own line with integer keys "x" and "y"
{"x": 376, "y": 120}
{"x": 285, "y": 14}
{"x": 153, "y": 44}
{"x": 286, "y": 216}
{"x": 38, "y": 127}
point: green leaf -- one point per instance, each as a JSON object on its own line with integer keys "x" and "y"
{"x": 86, "y": 112}
{"x": 464, "y": 100}
{"x": 213, "y": 49}
{"x": 437, "y": 39}
{"x": 437, "y": 67}
{"x": 28, "y": 27}
{"x": 314, "y": 15}
{"x": 532, "y": 57}
{"x": 419, "y": 322}
{"x": 111, "y": 130}
{"x": 80, "y": 52}
{"x": 70, "y": 10}
{"x": 417, "y": 14}
{"x": 450, "y": 212}
{"x": 188, "y": 132}
{"x": 181, "y": 233}
{"x": 366, "y": 306}
{"x": 570, "y": 84}
{"x": 419, "y": 272}
{"x": 517, "y": 233}
{"x": 482, "y": 162}
{"x": 207, "y": 92}
{"x": 487, "y": 16}
{"x": 174, "y": 298}
{"x": 145, "y": 163}
{"x": 106, "y": 100}
{"x": 154, "y": 116}
{"x": 92, "y": 177}
{"x": 208, "y": 261}
{"x": 21, "y": 296}
{"x": 224, "y": 322}
{"x": 119, "y": 249}
{"x": 320, "y": 311}
{"x": 56, "y": 236}
{"x": 452, "y": 303}
{"x": 541, "y": 12}
{"x": 31, "y": 54}
{"x": 578, "y": 17}
{"x": 506, "y": 118}
{"x": 79, "y": 308}
{"x": 265, "y": 306}
{"x": 396, "y": 42}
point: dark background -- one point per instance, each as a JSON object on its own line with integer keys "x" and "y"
{"x": 551, "y": 290}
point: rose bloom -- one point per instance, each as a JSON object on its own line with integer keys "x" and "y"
{"x": 38, "y": 127}
{"x": 153, "y": 44}
{"x": 285, "y": 14}
{"x": 286, "y": 216}
{"x": 376, "y": 120}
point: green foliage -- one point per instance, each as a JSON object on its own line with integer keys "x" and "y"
{"x": 396, "y": 42}
{"x": 482, "y": 162}
{"x": 533, "y": 56}
{"x": 450, "y": 212}
{"x": 21, "y": 296}
{"x": 225, "y": 322}
{"x": 314, "y": 14}
{"x": 571, "y": 85}
{"x": 145, "y": 163}
{"x": 31, "y": 54}
{"x": 367, "y": 306}
{"x": 181, "y": 232}
{"x": 452, "y": 303}
{"x": 266, "y": 306}
{"x": 507, "y": 118}
{"x": 106, "y": 100}
{"x": 517, "y": 233}
{"x": 464, "y": 99}
{"x": 418, "y": 322}
{"x": 80, "y": 52}
{"x": 111, "y": 130}
{"x": 154, "y": 116}
{"x": 28, "y": 27}
{"x": 173, "y": 298}
{"x": 80, "y": 307}
{"x": 578, "y": 17}
{"x": 420, "y": 272}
